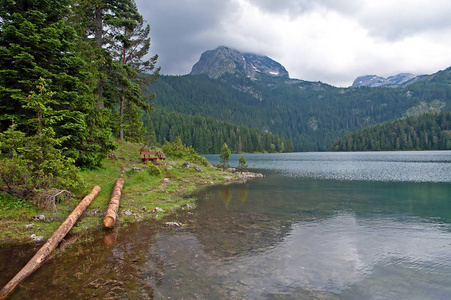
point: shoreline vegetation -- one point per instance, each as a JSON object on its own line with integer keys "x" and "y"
{"x": 152, "y": 191}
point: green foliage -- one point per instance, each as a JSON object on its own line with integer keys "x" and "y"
{"x": 37, "y": 42}
{"x": 153, "y": 169}
{"x": 425, "y": 132}
{"x": 224, "y": 156}
{"x": 207, "y": 135}
{"x": 242, "y": 163}
{"x": 310, "y": 114}
{"x": 176, "y": 149}
{"x": 34, "y": 164}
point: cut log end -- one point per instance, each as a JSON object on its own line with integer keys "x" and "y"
{"x": 108, "y": 221}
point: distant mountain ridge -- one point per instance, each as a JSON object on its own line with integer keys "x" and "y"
{"x": 400, "y": 80}
{"x": 223, "y": 60}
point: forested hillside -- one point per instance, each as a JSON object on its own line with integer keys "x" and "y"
{"x": 425, "y": 132}
{"x": 312, "y": 114}
{"x": 208, "y": 135}
{"x": 70, "y": 79}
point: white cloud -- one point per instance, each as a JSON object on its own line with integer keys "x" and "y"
{"x": 323, "y": 40}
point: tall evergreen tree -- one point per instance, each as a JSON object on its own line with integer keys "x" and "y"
{"x": 128, "y": 43}
{"x": 36, "y": 42}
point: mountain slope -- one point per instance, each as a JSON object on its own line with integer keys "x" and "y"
{"x": 312, "y": 114}
{"x": 424, "y": 132}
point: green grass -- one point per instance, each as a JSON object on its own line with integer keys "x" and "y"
{"x": 142, "y": 192}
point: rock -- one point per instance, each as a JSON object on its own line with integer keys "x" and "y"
{"x": 228, "y": 178}
{"x": 173, "y": 224}
{"x": 231, "y": 170}
{"x": 187, "y": 164}
{"x": 136, "y": 169}
{"x": 158, "y": 210}
{"x": 169, "y": 168}
{"x": 198, "y": 169}
{"x": 29, "y": 225}
{"x": 39, "y": 218}
{"x": 128, "y": 213}
{"x": 36, "y": 238}
{"x": 144, "y": 209}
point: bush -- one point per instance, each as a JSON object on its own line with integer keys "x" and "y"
{"x": 177, "y": 150}
{"x": 153, "y": 169}
{"x": 32, "y": 167}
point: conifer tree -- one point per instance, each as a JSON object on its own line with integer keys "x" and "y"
{"x": 36, "y": 41}
{"x": 128, "y": 43}
{"x": 224, "y": 156}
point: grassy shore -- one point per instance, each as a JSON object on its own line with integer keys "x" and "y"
{"x": 144, "y": 195}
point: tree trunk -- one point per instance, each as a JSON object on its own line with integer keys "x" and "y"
{"x": 121, "y": 113}
{"x": 113, "y": 206}
{"x": 41, "y": 256}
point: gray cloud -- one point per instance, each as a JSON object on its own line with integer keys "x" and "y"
{"x": 181, "y": 30}
{"x": 402, "y": 22}
{"x": 299, "y": 7}
{"x": 319, "y": 40}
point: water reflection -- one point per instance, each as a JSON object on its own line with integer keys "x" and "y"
{"x": 279, "y": 237}
{"x": 111, "y": 264}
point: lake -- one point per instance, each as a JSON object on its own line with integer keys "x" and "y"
{"x": 318, "y": 225}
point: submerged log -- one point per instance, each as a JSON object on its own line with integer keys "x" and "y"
{"x": 113, "y": 206}
{"x": 41, "y": 256}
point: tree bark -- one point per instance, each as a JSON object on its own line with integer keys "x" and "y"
{"x": 121, "y": 115}
{"x": 41, "y": 256}
{"x": 113, "y": 206}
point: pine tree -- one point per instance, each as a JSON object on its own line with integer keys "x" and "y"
{"x": 224, "y": 156}
{"x": 128, "y": 42}
{"x": 36, "y": 41}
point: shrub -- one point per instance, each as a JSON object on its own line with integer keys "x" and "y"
{"x": 153, "y": 169}
{"x": 242, "y": 163}
{"x": 177, "y": 150}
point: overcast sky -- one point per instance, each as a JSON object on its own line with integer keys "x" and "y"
{"x": 333, "y": 41}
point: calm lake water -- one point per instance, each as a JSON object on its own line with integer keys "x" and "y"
{"x": 319, "y": 225}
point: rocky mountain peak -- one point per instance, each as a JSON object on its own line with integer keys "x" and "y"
{"x": 378, "y": 81}
{"x": 224, "y": 60}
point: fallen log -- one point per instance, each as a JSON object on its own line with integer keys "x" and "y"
{"x": 113, "y": 206}
{"x": 41, "y": 256}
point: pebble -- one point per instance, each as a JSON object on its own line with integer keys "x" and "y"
{"x": 173, "y": 224}
{"x": 39, "y": 218}
{"x": 36, "y": 238}
{"x": 158, "y": 210}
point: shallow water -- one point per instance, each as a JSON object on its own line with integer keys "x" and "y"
{"x": 319, "y": 225}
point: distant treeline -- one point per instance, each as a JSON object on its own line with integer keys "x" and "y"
{"x": 425, "y": 132}
{"x": 208, "y": 135}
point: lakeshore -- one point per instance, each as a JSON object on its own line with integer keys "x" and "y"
{"x": 145, "y": 196}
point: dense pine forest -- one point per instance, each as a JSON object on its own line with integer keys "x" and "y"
{"x": 208, "y": 135}
{"x": 310, "y": 114}
{"x": 424, "y": 132}
{"x": 70, "y": 80}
